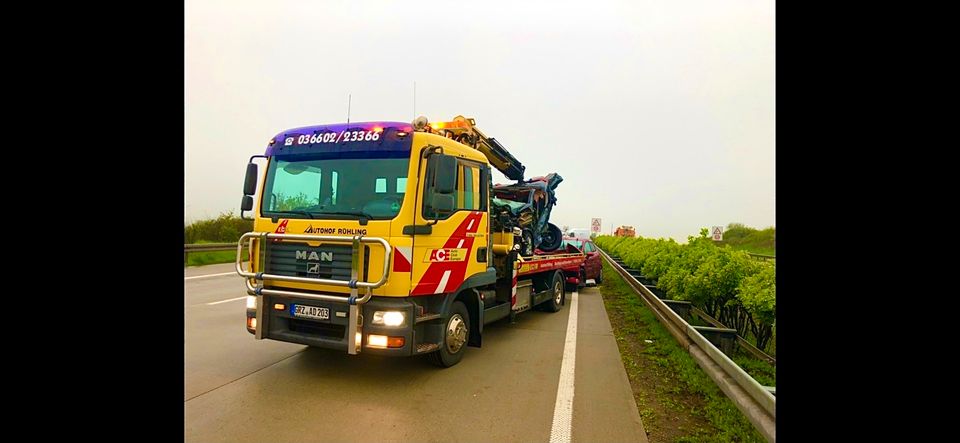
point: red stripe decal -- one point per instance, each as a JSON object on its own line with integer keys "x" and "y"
{"x": 400, "y": 262}
{"x": 431, "y": 279}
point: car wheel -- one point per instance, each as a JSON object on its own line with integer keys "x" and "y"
{"x": 551, "y": 239}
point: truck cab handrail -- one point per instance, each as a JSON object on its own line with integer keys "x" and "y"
{"x": 356, "y": 240}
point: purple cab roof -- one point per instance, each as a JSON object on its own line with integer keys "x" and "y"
{"x": 342, "y": 137}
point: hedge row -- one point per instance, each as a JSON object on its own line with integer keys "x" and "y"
{"x": 726, "y": 284}
{"x": 226, "y": 228}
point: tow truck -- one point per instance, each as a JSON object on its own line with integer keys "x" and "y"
{"x": 376, "y": 237}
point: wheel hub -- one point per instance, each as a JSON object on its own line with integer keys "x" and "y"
{"x": 456, "y": 333}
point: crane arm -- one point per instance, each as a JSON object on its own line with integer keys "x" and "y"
{"x": 464, "y": 130}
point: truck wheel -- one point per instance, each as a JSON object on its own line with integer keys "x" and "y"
{"x": 455, "y": 337}
{"x": 556, "y": 296}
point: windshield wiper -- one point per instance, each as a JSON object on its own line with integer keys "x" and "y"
{"x": 357, "y": 213}
{"x": 308, "y": 214}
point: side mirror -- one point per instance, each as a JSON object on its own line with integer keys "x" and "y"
{"x": 445, "y": 180}
{"x": 250, "y": 183}
{"x": 442, "y": 202}
{"x": 246, "y": 204}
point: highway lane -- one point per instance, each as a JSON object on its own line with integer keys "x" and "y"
{"x": 238, "y": 389}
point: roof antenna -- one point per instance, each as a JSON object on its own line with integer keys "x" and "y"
{"x": 349, "y": 99}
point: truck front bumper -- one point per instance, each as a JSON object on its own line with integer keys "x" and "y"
{"x": 281, "y": 324}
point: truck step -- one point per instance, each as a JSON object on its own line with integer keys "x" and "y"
{"x": 427, "y": 317}
{"x": 427, "y": 347}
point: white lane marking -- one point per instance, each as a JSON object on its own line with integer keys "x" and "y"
{"x": 460, "y": 244}
{"x": 563, "y": 408}
{"x": 209, "y": 275}
{"x": 443, "y": 282}
{"x": 224, "y": 301}
{"x": 470, "y": 226}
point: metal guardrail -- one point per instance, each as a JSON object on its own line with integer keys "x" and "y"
{"x": 206, "y": 247}
{"x": 763, "y": 257}
{"x": 754, "y": 400}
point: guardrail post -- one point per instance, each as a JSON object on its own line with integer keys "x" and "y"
{"x": 723, "y": 338}
{"x": 681, "y": 307}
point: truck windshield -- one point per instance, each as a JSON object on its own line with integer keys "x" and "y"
{"x": 317, "y": 188}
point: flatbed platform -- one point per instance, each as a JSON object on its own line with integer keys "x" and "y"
{"x": 540, "y": 263}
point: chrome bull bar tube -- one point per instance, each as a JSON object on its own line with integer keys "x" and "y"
{"x": 355, "y": 319}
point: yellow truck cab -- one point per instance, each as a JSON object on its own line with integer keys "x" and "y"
{"x": 376, "y": 237}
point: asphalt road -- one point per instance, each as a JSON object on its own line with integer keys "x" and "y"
{"x": 237, "y": 389}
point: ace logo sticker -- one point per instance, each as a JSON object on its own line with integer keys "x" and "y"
{"x": 439, "y": 255}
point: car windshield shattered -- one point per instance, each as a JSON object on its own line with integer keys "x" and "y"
{"x": 527, "y": 205}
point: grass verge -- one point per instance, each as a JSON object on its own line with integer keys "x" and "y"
{"x": 211, "y": 257}
{"x": 677, "y": 401}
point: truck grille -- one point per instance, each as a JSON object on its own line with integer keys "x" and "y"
{"x": 301, "y": 260}
{"x": 325, "y": 330}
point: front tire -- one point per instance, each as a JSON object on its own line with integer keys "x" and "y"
{"x": 456, "y": 334}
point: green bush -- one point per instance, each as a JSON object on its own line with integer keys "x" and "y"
{"x": 226, "y": 228}
{"x": 739, "y": 236}
{"x": 758, "y": 296}
{"x": 725, "y": 283}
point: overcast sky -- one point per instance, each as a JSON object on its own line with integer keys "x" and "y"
{"x": 658, "y": 114}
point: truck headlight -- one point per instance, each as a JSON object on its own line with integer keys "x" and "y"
{"x": 251, "y": 302}
{"x": 389, "y": 318}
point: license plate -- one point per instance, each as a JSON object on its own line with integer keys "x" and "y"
{"x": 311, "y": 312}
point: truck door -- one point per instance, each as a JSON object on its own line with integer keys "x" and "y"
{"x": 447, "y": 256}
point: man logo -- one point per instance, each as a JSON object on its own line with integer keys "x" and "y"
{"x": 312, "y": 255}
{"x": 313, "y": 268}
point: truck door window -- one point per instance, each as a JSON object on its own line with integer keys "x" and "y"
{"x": 468, "y": 194}
{"x": 469, "y": 187}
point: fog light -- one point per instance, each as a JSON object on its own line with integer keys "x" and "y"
{"x": 389, "y": 318}
{"x": 383, "y": 342}
{"x": 251, "y": 302}
{"x": 377, "y": 341}
{"x": 252, "y": 322}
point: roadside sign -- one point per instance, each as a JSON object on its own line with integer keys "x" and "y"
{"x": 717, "y": 233}
{"x": 595, "y": 225}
